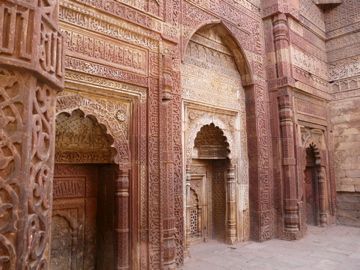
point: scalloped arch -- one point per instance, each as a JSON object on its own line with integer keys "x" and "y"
{"x": 195, "y": 129}
{"x": 113, "y": 128}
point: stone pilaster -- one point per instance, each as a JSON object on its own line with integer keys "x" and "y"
{"x": 287, "y": 127}
{"x": 231, "y": 205}
{"x": 122, "y": 228}
{"x": 167, "y": 166}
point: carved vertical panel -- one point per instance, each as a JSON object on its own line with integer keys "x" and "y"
{"x": 219, "y": 207}
{"x": 27, "y": 150}
{"x": 30, "y": 41}
{"x": 166, "y": 165}
{"x": 37, "y": 226}
{"x": 122, "y": 228}
{"x": 12, "y": 126}
{"x": 154, "y": 181}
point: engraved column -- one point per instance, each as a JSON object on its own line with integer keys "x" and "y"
{"x": 122, "y": 219}
{"x": 31, "y": 73}
{"x": 188, "y": 201}
{"x": 323, "y": 204}
{"x": 230, "y": 206}
{"x": 167, "y": 166}
{"x": 286, "y": 114}
{"x": 292, "y": 221}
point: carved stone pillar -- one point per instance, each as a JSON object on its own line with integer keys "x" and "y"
{"x": 281, "y": 40}
{"x": 31, "y": 73}
{"x": 122, "y": 219}
{"x": 323, "y": 199}
{"x": 231, "y": 206}
{"x": 289, "y": 166}
{"x": 167, "y": 166}
{"x": 288, "y": 143}
{"x": 188, "y": 201}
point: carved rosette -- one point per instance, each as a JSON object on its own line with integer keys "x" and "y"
{"x": 30, "y": 41}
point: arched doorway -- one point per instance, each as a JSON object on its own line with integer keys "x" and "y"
{"x": 311, "y": 188}
{"x": 208, "y": 210}
{"x": 83, "y": 195}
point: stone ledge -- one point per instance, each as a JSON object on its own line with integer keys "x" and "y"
{"x": 327, "y": 3}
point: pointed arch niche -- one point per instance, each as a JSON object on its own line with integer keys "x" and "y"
{"x": 216, "y": 80}
{"x": 316, "y": 188}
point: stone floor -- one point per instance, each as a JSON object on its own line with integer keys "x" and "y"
{"x": 333, "y": 248}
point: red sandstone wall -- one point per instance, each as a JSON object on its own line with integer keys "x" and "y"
{"x": 132, "y": 49}
{"x": 343, "y": 51}
{"x": 297, "y": 69}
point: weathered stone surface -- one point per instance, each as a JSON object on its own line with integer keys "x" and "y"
{"x": 143, "y": 78}
{"x": 348, "y": 212}
{"x": 344, "y": 71}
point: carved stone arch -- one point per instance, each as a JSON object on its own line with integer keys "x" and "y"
{"x": 315, "y": 138}
{"x": 212, "y": 135}
{"x": 250, "y": 119}
{"x": 196, "y": 29}
{"x": 91, "y": 137}
{"x": 233, "y": 44}
{"x": 195, "y": 127}
{"x": 116, "y": 124}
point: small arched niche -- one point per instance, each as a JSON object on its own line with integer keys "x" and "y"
{"x": 315, "y": 187}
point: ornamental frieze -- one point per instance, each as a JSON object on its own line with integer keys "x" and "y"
{"x": 92, "y": 21}
{"x": 105, "y": 71}
{"x": 99, "y": 49}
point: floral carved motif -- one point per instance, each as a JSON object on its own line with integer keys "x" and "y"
{"x": 11, "y": 120}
